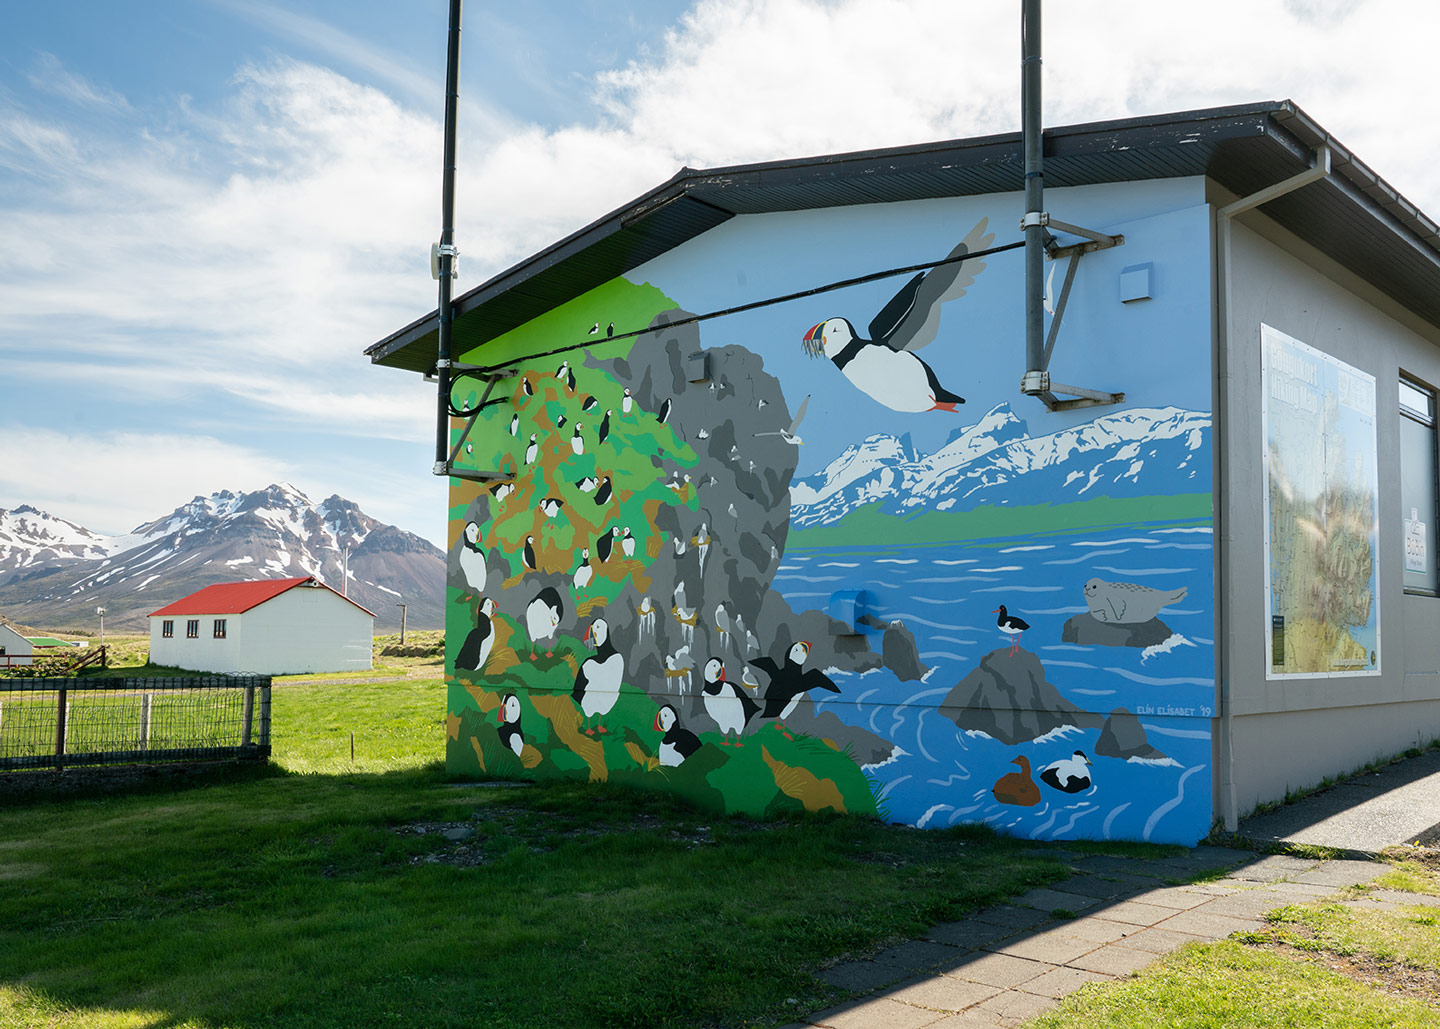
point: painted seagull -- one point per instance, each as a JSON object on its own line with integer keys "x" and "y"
{"x": 790, "y": 435}
{"x": 885, "y": 367}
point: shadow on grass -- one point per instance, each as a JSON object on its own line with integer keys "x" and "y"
{"x": 287, "y": 899}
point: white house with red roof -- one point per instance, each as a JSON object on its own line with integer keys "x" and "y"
{"x": 266, "y": 627}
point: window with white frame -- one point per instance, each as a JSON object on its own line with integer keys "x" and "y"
{"x": 1418, "y": 484}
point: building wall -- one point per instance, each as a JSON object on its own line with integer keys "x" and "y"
{"x": 301, "y": 630}
{"x": 1290, "y": 732}
{"x": 801, "y": 523}
{"x": 18, "y": 650}
{"x": 204, "y": 653}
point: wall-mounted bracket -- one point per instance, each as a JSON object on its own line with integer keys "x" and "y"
{"x": 491, "y": 377}
{"x": 1036, "y": 381}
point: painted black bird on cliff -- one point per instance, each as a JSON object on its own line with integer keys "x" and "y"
{"x": 1012, "y": 626}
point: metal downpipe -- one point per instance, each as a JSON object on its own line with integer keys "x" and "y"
{"x": 447, "y": 243}
{"x": 1030, "y": 132}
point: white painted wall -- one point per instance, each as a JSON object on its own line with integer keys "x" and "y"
{"x": 304, "y": 629}
{"x": 18, "y": 650}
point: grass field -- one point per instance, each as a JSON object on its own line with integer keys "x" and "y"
{"x": 327, "y": 892}
{"x": 336, "y": 890}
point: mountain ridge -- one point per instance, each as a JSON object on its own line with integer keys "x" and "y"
{"x": 54, "y": 572}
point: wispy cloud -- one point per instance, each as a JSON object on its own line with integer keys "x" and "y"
{"x": 49, "y": 75}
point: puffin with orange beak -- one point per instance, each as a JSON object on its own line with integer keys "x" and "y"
{"x": 789, "y": 682}
{"x": 731, "y": 707}
{"x": 885, "y": 366}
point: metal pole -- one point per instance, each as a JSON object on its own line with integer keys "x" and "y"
{"x": 60, "y": 718}
{"x": 447, "y": 243}
{"x": 1030, "y": 133}
{"x": 402, "y": 623}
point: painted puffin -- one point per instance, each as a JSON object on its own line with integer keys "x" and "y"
{"x": 604, "y": 543}
{"x": 1011, "y": 625}
{"x": 577, "y": 442}
{"x": 515, "y": 424}
{"x": 678, "y": 742}
{"x": 664, "y": 411}
{"x": 604, "y": 491}
{"x": 533, "y": 450}
{"x": 1069, "y": 775}
{"x": 584, "y": 573}
{"x": 511, "y": 737}
{"x": 604, "y": 429}
{"x": 528, "y": 554}
{"x": 475, "y": 651}
{"x": 626, "y": 402}
{"x": 589, "y": 403}
{"x": 597, "y": 684}
{"x": 551, "y": 506}
{"x": 885, "y": 367}
{"x": 789, "y": 682}
{"x": 730, "y": 706}
{"x": 472, "y": 558}
{"x": 542, "y": 617}
{"x": 627, "y": 543}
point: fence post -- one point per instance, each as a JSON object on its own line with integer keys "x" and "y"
{"x": 60, "y": 730}
{"x": 247, "y": 719}
{"x": 147, "y": 701}
{"x": 265, "y": 712}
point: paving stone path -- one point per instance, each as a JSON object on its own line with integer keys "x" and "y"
{"x": 1010, "y": 962}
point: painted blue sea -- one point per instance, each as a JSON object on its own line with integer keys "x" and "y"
{"x": 947, "y": 596}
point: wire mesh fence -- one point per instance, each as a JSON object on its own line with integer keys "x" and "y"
{"x": 55, "y": 723}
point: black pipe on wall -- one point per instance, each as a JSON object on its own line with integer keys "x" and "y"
{"x": 447, "y": 242}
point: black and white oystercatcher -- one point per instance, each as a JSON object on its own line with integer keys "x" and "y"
{"x": 1012, "y": 626}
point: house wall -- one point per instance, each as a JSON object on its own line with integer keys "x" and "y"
{"x": 1291, "y": 731}
{"x": 18, "y": 650}
{"x": 805, "y": 517}
{"x": 306, "y": 630}
{"x": 301, "y": 630}
{"x": 204, "y": 653}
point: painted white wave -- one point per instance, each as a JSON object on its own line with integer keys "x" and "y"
{"x": 1165, "y": 808}
{"x": 1152, "y": 681}
{"x": 1062, "y": 732}
{"x": 1110, "y": 819}
{"x": 1173, "y": 641}
{"x": 1020, "y": 589}
{"x": 1156, "y": 762}
{"x": 1017, "y": 550}
{"x": 1085, "y": 558}
{"x": 895, "y": 755}
{"x": 1194, "y": 528}
{"x": 1143, "y": 571}
{"x": 1068, "y": 664}
{"x": 930, "y": 812}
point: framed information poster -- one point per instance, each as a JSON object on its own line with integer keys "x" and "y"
{"x": 1321, "y": 512}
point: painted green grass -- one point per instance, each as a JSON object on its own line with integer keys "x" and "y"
{"x": 870, "y": 525}
{"x": 1226, "y": 985}
{"x": 309, "y": 900}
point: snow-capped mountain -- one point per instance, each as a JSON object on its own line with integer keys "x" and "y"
{"x": 1137, "y": 452}
{"x": 55, "y": 573}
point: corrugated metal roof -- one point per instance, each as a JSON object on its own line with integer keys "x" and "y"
{"x": 233, "y": 598}
{"x": 1354, "y": 215}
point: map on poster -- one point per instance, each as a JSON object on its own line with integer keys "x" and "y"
{"x": 1322, "y": 512}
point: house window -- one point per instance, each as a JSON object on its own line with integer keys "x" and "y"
{"x": 1418, "y": 485}
{"x": 219, "y": 628}
{"x": 167, "y": 628}
{"x": 192, "y": 629}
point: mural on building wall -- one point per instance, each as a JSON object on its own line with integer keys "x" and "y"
{"x": 781, "y": 565}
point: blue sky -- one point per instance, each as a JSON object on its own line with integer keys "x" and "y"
{"x": 208, "y": 208}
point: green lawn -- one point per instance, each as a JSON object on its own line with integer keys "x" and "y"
{"x": 323, "y": 893}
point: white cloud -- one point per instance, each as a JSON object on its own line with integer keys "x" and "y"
{"x": 50, "y": 76}
{"x": 114, "y": 483}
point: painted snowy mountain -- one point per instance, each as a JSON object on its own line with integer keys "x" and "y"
{"x": 54, "y": 573}
{"x": 1137, "y": 452}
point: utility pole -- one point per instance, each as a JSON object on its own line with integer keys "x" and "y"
{"x": 402, "y": 623}
{"x": 101, "y": 612}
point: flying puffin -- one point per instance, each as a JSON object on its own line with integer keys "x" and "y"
{"x": 678, "y": 742}
{"x": 730, "y": 706}
{"x": 597, "y": 684}
{"x": 584, "y": 573}
{"x": 602, "y": 495}
{"x": 885, "y": 367}
{"x": 577, "y": 443}
{"x": 604, "y": 429}
{"x": 511, "y": 738}
{"x": 528, "y": 555}
{"x": 789, "y": 682}
{"x": 472, "y": 558}
{"x": 626, "y": 402}
{"x": 1069, "y": 775}
{"x": 1012, "y": 626}
{"x": 475, "y": 651}
{"x": 533, "y": 450}
{"x": 542, "y": 617}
